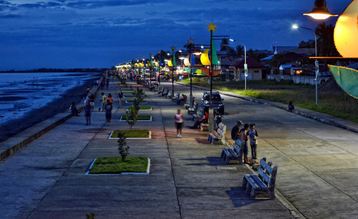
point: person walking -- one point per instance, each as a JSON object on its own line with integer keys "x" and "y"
{"x": 88, "y": 109}
{"x": 252, "y": 133}
{"x": 110, "y": 99}
{"x": 179, "y": 121}
{"x": 120, "y": 97}
{"x": 73, "y": 109}
{"x": 244, "y": 138}
{"x": 108, "y": 109}
{"x": 104, "y": 101}
{"x": 107, "y": 82}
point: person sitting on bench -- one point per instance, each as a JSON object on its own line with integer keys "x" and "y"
{"x": 217, "y": 134}
{"x": 204, "y": 118}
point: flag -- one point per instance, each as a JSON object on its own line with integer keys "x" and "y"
{"x": 215, "y": 58}
{"x": 174, "y": 62}
{"x": 192, "y": 60}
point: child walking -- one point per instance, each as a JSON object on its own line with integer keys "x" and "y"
{"x": 179, "y": 120}
{"x": 252, "y": 133}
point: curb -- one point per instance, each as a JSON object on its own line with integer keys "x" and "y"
{"x": 149, "y": 137}
{"x": 296, "y": 111}
{"x": 11, "y": 147}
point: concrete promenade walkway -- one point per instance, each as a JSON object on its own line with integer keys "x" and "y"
{"x": 318, "y": 163}
{"x": 187, "y": 180}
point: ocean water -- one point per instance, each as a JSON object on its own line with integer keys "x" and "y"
{"x": 21, "y": 93}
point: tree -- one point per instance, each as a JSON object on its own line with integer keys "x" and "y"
{"x": 225, "y": 46}
{"x": 306, "y": 44}
{"x": 132, "y": 116}
{"x": 325, "y": 40}
{"x": 190, "y": 45}
{"x": 123, "y": 148}
{"x": 240, "y": 50}
{"x": 139, "y": 96}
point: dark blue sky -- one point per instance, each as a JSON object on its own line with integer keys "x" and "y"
{"x": 101, "y": 33}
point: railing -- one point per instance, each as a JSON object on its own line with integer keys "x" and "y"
{"x": 297, "y": 79}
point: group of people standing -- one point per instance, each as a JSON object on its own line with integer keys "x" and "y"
{"x": 242, "y": 134}
{"x": 107, "y": 105}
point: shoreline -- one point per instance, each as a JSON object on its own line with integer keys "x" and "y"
{"x": 59, "y": 105}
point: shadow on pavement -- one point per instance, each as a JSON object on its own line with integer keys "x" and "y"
{"x": 239, "y": 197}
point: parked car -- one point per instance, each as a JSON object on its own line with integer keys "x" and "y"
{"x": 217, "y": 101}
{"x": 324, "y": 77}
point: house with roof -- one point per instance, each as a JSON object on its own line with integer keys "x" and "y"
{"x": 233, "y": 68}
{"x": 255, "y": 69}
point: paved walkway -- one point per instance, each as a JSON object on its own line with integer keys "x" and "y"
{"x": 187, "y": 180}
{"x": 318, "y": 163}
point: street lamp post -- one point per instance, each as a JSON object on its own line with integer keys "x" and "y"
{"x": 191, "y": 86}
{"x": 173, "y": 66}
{"x": 316, "y": 63}
{"x": 151, "y": 68}
{"x": 245, "y": 67}
{"x": 212, "y": 28}
{"x": 319, "y": 12}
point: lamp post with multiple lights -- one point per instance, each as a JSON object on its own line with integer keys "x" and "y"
{"x": 213, "y": 61}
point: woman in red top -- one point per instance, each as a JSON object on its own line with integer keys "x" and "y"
{"x": 179, "y": 121}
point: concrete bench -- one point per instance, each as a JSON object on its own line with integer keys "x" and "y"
{"x": 160, "y": 90}
{"x": 169, "y": 95}
{"x": 218, "y": 139}
{"x": 204, "y": 127}
{"x": 151, "y": 87}
{"x": 231, "y": 153}
{"x": 182, "y": 100}
{"x": 262, "y": 183}
{"x": 176, "y": 97}
{"x": 193, "y": 110}
{"x": 165, "y": 93}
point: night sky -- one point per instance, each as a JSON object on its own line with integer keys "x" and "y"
{"x": 101, "y": 33}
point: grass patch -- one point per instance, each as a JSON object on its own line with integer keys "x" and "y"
{"x": 140, "y": 117}
{"x": 132, "y": 133}
{"x": 332, "y": 100}
{"x": 146, "y": 107}
{"x": 115, "y": 165}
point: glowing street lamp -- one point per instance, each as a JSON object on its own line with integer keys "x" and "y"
{"x": 297, "y": 27}
{"x": 320, "y": 11}
{"x": 246, "y": 69}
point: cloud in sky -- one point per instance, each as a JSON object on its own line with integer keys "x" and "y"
{"x": 71, "y": 33}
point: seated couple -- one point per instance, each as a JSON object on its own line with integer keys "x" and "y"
{"x": 204, "y": 118}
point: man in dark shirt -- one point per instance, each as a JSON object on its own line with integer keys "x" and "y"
{"x": 235, "y": 131}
